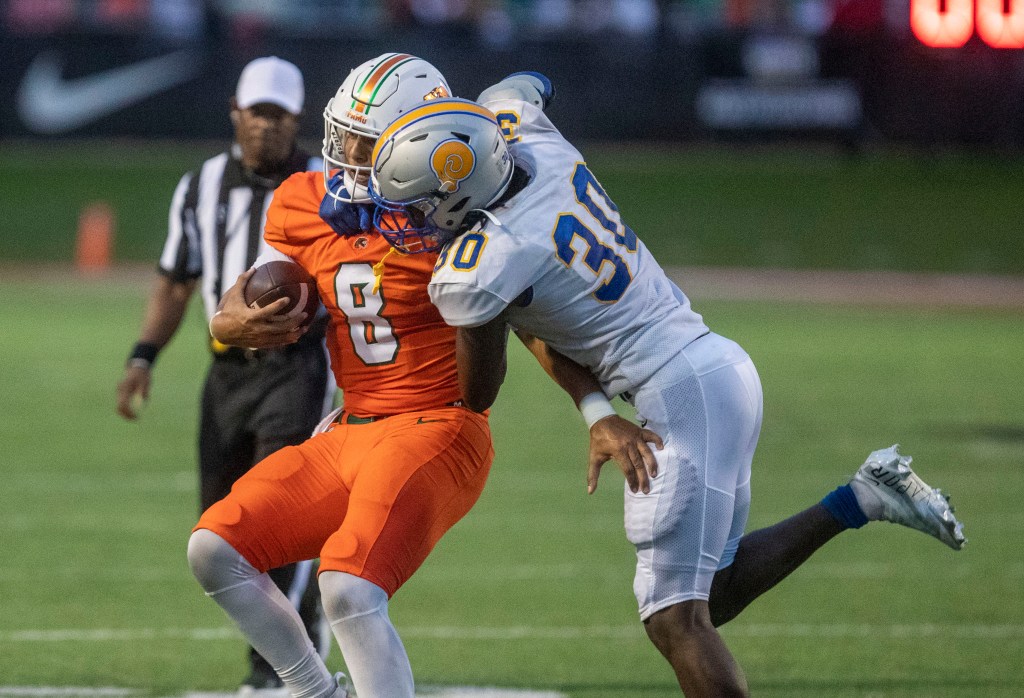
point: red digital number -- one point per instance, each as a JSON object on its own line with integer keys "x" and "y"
{"x": 950, "y": 23}
{"x": 999, "y": 28}
{"x": 950, "y": 27}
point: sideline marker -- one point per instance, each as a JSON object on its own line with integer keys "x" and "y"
{"x": 95, "y": 239}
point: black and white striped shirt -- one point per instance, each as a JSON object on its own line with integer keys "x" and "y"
{"x": 215, "y": 227}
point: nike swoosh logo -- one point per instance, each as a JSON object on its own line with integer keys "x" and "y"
{"x": 47, "y": 103}
{"x": 421, "y": 420}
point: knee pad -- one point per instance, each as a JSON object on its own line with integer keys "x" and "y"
{"x": 215, "y": 564}
{"x": 347, "y": 596}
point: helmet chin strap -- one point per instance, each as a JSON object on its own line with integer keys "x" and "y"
{"x": 484, "y": 213}
{"x": 357, "y": 192}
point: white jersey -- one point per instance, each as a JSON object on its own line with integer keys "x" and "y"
{"x": 570, "y": 271}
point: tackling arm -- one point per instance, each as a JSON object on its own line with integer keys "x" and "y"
{"x": 611, "y": 436}
{"x": 481, "y": 356}
{"x": 570, "y": 376}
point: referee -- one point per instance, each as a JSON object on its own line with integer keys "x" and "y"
{"x": 254, "y": 401}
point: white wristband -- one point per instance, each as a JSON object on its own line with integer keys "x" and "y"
{"x": 209, "y": 325}
{"x": 594, "y": 407}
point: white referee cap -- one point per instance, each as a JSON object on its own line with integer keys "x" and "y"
{"x": 271, "y": 80}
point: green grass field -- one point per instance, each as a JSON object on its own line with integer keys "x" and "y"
{"x": 533, "y": 589}
{"x": 782, "y": 207}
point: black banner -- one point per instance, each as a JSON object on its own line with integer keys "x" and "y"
{"x": 659, "y": 88}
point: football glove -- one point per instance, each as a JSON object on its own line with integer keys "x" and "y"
{"x": 528, "y": 85}
{"x": 345, "y": 219}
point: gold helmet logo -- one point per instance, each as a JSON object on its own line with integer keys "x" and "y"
{"x": 452, "y": 161}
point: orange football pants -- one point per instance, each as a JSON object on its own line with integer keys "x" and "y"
{"x": 368, "y": 499}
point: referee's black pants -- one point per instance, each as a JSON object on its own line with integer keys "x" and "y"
{"x": 253, "y": 404}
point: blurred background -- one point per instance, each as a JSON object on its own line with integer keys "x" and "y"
{"x": 922, "y": 72}
{"x": 850, "y": 134}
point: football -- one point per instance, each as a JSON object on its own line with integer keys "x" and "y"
{"x": 280, "y": 279}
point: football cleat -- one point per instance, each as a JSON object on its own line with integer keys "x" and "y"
{"x": 345, "y": 689}
{"x": 888, "y": 490}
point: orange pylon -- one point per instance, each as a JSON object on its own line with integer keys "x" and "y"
{"x": 95, "y": 240}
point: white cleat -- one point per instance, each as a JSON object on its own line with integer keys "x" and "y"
{"x": 888, "y": 490}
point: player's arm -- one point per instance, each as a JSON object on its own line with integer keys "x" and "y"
{"x": 238, "y": 325}
{"x": 611, "y": 436}
{"x": 168, "y": 300}
{"x": 480, "y": 353}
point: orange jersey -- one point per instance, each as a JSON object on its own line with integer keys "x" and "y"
{"x": 391, "y": 352}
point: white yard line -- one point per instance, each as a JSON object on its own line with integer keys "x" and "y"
{"x": 114, "y": 692}
{"x": 69, "y": 691}
{"x": 532, "y": 633}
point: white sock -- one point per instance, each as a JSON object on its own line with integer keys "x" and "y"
{"x": 373, "y": 652}
{"x": 262, "y": 612}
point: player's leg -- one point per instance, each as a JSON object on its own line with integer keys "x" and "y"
{"x": 883, "y": 489}
{"x": 227, "y": 449}
{"x": 751, "y": 564}
{"x": 375, "y": 657}
{"x": 279, "y": 512}
{"x": 265, "y": 616}
{"x": 411, "y": 478}
{"x": 295, "y": 390}
{"x": 765, "y": 557}
{"x": 708, "y": 415}
{"x": 702, "y": 663}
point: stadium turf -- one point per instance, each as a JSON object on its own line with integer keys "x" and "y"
{"x": 533, "y": 589}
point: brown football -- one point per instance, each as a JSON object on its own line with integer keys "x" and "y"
{"x": 280, "y": 279}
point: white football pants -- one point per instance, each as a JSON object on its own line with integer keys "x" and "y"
{"x": 706, "y": 406}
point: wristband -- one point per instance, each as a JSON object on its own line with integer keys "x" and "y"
{"x": 595, "y": 407}
{"x": 209, "y": 325}
{"x": 143, "y": 355}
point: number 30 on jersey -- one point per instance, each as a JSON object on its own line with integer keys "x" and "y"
{"x": 610, "y": 242}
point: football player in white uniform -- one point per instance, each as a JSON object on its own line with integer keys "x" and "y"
{"x": 532, "y": 241}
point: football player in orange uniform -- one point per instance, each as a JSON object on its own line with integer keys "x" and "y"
{"x": 380, "y": 482}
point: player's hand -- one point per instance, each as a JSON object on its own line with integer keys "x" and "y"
{"x": 345, "y": 219}
{"x": 132, "y": 391}
{"x": 618, "y": 439}
{"x": 238, "y": 325}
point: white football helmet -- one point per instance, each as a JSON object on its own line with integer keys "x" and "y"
{"x": 434, "y": 166}
{"x": 371, "y": 97}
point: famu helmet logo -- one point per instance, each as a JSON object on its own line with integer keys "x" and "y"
{"x": 439, "y": 92}
{"x": 452, "y": 161}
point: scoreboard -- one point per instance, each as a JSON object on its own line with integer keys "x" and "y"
{"x": 950, "y": 23}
